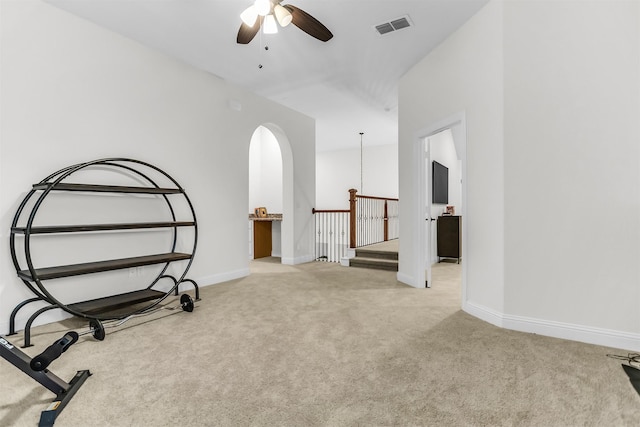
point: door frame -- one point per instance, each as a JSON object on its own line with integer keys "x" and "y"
{"x": 422, "y": 245}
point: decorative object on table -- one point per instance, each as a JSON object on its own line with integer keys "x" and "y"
{"x": 261, "y": 212}
{"x": 451, "y": 210}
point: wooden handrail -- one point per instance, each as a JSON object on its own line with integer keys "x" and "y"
{"x": 314, "y": 211}
{"x": 376, "y": 198}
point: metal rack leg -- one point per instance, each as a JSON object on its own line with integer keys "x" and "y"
{"x": 175, "y": 282}
{"x": 195, "y": 286}
{"x": 27, "y": 328}
{"x": 177, "y": 291}
{"x": 12, "y": 318}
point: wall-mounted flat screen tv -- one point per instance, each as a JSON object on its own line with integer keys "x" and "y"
{"x": 439, "y": 184}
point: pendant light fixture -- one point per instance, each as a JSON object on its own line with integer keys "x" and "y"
{"x": 361, "y": 186}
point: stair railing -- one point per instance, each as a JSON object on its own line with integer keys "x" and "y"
{"x": 372, "y": 219}
{"x": 368, "y": 220}
{"x": 332, "y": 234}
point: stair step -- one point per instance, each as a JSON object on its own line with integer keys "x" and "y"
{"x": 375, "y": 263}
{"x": 371, "y": 253}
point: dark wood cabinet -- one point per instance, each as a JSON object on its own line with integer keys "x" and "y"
{"x": 449, "y": 237}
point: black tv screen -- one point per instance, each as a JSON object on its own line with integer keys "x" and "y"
{"x": 439, "y": 184}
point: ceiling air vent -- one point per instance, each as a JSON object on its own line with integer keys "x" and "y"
{"x": 395, "y": 25}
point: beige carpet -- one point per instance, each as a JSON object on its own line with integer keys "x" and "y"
{"x": 324, "y": 345}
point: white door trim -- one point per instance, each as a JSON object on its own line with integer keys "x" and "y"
{"x": 419, "y": 213}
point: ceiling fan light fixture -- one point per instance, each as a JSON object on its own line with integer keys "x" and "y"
{"x": 283, "y": 16}
{"x": 249, "y": 16}
{"x": 270, "y": 26}
{"x": 263, "y": 7}
{"x": 287, "y": 14}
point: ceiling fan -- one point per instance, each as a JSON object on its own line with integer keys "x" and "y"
{"x": 265, "y": 13}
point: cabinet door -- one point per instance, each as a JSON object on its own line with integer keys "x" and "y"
{"x": 261, "y": 239}
{"x": 449, "y": 236}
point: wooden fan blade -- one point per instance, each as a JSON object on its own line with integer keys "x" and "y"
{"x": 247, "y": 33}
{"x": 308, "y": 23}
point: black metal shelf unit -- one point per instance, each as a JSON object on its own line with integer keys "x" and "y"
{"x": 112, "y": 307}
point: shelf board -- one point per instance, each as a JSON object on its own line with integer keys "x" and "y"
{"x": 107, "y": 188}
{"x": 100, "y": 227}
{"x": 96, "y": 267}
{"x": 114, "y": 302}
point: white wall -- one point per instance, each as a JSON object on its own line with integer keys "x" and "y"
{"x": 572, "y": 132}
{"x": 552, "y": 214}
{"x": 265, "y": 172}
{"x": 464, "y": 74}
{"x": 338, "y": 171}
{"x": 72, "y": 92}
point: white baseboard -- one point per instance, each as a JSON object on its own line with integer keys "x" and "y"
{"x": 298, "y": 260}
{"x": 484, "y": 313}
{"x": 222, "y": 277}
{"x": 568, "y": 331}
{"x": 406, "y": 279}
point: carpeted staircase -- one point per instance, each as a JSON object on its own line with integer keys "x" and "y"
{"x": 371, "y": 258}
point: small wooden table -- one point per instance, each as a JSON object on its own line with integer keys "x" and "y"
{"x": 262, "y": 232}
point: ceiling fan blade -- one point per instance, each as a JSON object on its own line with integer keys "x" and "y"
{"x": 308, "y": 23}
{"x": 247, "y": 33}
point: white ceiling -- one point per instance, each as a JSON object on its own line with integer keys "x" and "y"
{"x": 348, "y": 84}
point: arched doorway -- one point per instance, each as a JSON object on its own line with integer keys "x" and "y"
{"x": 271, "y": 186}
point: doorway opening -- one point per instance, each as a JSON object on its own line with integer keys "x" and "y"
{"x": 443, "y": 196}
{"x": 428, "y": 143}
{"x": 265, "y": 195}
{"x": 270, "y": 195}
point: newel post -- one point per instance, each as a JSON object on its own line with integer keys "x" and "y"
{"x": 352, "y": 218}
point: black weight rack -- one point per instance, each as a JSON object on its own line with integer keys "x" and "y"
{"x": 148, "y": 179}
